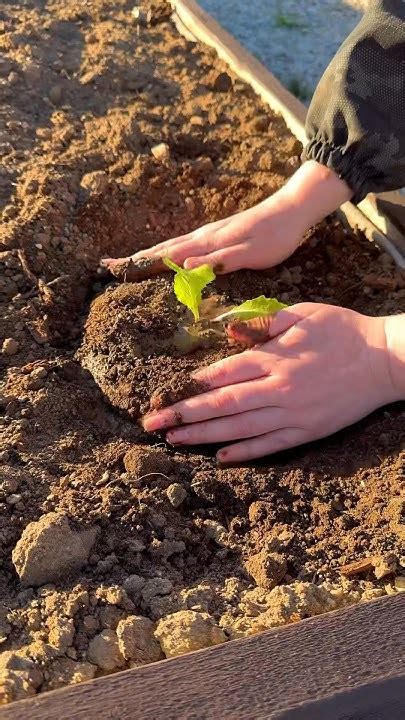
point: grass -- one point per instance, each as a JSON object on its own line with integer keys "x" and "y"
{"x": 286, "y": 20}
{"x": 289, "y": 22}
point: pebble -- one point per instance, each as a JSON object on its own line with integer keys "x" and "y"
{"x": 176, "y": 494}
{"x": 222, "y": 82}
{"x": 13, "y": 499}
{"x": 187, "y": 630}
{"x": 197, "y": 120}
{"x": 261, "y": 123}
{"x": 190, "y": 204}
{"x": 10, "y": 346}
{"x": 104, "y": 651}
{"x": 55, "y": 95}
{"x": 133, "y": 585}
{"x": 156, "y": 586}
{"x": 215, "y": 531}
{"x": 13, "y": 78}
{"x": 48, "y": 549}
{"x": 161, "y": 152}
{"x": 136, "y": 640}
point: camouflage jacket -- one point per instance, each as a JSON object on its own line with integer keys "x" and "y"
{"x": 356, "y": 120}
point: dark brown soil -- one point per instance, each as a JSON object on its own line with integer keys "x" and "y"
{"x": 87, "y": 95}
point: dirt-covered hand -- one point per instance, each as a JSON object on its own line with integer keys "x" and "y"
{"x": 262, "y": 236}
{"x": 322, "y": 368}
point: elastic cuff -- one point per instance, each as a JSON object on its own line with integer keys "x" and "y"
{"x": 341, "y": 162}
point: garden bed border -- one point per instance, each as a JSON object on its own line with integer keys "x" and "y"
{"x": 381, "y": 217}
{"x": 344, "y": 665}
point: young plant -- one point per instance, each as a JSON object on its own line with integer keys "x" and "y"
{"x": 189, "y": 284}
{"x": 188, "y": 287}
{"x": 258, "y": 307}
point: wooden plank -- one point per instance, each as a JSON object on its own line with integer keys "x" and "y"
{"x": 309, "y": 670}
{"x": 382, "y": 222}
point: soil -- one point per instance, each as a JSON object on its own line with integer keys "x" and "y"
{"x": 116, "y": 549}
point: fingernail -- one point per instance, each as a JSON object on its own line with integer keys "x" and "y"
{"x": 177, "y": 437}
{"x": 156, "y": 420}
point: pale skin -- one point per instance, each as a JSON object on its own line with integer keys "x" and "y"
{"x": 321, "y": 368}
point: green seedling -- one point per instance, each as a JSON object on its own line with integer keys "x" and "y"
{"x": 189, "y": 284}
{"x": 188, "y": 287}
{"x": 258, "y": 307}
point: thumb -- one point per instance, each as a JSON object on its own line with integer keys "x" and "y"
{"x": 258, "y": 330}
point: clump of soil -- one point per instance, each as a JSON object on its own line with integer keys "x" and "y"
{"x": 179, "y": 553}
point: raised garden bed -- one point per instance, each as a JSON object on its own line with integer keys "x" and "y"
{"x": 125, "y": 525}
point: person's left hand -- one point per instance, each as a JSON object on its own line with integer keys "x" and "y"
{"x": 321, "y": 369}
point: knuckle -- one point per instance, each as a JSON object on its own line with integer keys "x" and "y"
{"x": 223, "y": 399}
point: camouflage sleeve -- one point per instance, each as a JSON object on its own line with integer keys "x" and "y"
{"x": 356, "y": 120}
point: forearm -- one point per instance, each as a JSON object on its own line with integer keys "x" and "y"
{"x": 312, "y": 193}
{"x": 395, "y": 336}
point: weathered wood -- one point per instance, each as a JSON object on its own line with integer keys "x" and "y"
{"x": 380, "y": 217}
{"x": 347, "y": 665}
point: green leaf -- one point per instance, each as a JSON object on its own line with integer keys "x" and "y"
{"x": 189, "y": 284}
{"x": 252, "y": 308}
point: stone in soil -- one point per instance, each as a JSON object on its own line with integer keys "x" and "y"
{"x": 48, "y": 549}
{"x": 136, "y": 640}
{"x": 187, "y": 630}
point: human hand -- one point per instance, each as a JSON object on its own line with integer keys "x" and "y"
{"x": 322, "y": 368}
{"x": 262, "y": 236}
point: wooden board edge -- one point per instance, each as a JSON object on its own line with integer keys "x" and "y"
{"x": 195, "y": 22}
{"x": 269, "y": 675}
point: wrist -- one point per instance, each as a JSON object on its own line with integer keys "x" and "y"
{"x": 315, "y": 191}
{"x": 394, "y": 326}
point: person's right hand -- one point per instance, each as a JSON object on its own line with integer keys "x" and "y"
{"x": 262, "y": 236}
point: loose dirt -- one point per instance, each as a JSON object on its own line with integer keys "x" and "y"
{"x": 162, "y": 551}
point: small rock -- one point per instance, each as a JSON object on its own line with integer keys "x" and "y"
{"x": 156, "y": 586}
{"x": 161, "y": 152}
{"x": 261, "y": 123}
{"x": 190, "y": 204}
{"x": 104, "y": 651}
{"x": 215, "y": 531}
{"x": 385, "y": 565}
{"x": 266, "y": 568}
{"x": 176, "y": 494}
{"x": 13, "y": 78}
{"x": 19, "y": 677}
{"x": 222, "y": 83}
{"x": 136, "y": 640}
{"x": 95, "y": 182}
{"x": 10, "y": 346}
{"x": 140, "y": 462}
{"x": 133, "y": 585}
{"x": 61, "y": 632}
{"x": 13, "y": 499}
{"x": 55, "y": 95}
{"x": 197, "y": 120}
{"x": 49, "y": 549}
{"x": 111, "y": 594}
{"x": 399, "y": 583}
{"x": 187, "y": 630}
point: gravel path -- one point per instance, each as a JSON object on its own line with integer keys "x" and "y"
{"x": 294, "y": 39}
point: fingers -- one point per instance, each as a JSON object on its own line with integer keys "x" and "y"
{"x": 249, "y": 365}
{"x": 223, "y": 261}
{"x": 244, "y": 425}
{"x": 271, "y": 442}
{"x": 216, "y": 403}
